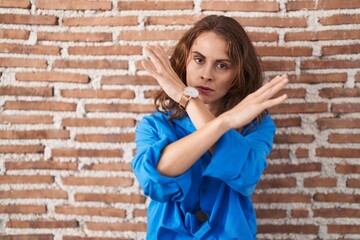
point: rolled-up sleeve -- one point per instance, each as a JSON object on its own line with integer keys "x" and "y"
{"x": 240, "y": 160}
{"x": 151, "y": 139}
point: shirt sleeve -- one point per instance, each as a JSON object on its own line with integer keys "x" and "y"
{"x": 150, "y": 141}
{"x": 240, "y": 160}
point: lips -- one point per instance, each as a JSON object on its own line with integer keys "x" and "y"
{"x": 204, "y": 90}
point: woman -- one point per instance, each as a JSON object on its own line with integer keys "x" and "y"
{"x": 200, "y": 156}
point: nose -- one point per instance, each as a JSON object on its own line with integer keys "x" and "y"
{"x": 207, "y": 73}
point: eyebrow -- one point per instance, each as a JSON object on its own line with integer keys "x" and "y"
{"x": 217, "y": 60}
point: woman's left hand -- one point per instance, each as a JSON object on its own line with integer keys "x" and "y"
{"x": 161, "y": 69}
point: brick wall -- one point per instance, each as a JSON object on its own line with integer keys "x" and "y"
{"x": 72, "y": 90}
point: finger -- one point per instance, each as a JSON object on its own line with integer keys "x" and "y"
{"x": 275, "y": 101}
{"x": 149, "y": 51}
{"x": 273, "y": 90}
{"x": 150, "y": 69}
{"x": 270, "y": 84}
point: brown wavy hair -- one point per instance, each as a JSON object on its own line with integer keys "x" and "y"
{"x": 240, "y": 51}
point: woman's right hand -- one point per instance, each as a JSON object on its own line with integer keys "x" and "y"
{"x": 160, "y": 68}
{"x": 255, "y": 103}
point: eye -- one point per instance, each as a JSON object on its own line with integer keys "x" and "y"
{"x": 222, "y": 65}
{"x": 198, "y": 60}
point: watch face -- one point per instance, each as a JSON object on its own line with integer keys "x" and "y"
{"x": 192, "y": 92}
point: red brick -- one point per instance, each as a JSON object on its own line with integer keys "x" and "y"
{"x": 357, "y": 77}
{"x": 150, "y": 93}
{"x": 149, "y": 35}
{"x": 270, "y": 213}
{"x": 105, "y": 50}
{"x": 284, "y": 51}
{"x": 337, "y": 213}
{"x": 26, "y": 179}
{"x": 338, "y": 152}
{"x": 121, "y": 137}
{"x": 329, "y": 64}
{"x": 280, "y": 22}
{"x": 35, "y": 134}
{"x": 29, "y": 49}
{"x": 155, "y": 5}
{"x": 33, "y": 165}
{"x": 278, "y": 65}
{"x": 322, "y": 35}
{"x": 92, "y": 211}
{"x": 114, "y": 166}
{"x": 263, "y": 36}
{"x": 288, "y": 122}
{"x": 172, "y": 20}
{"x": 101, "y": 21}
{"x": 94, "y": 64}
{"x": 23, "y": 62}
{"x": 277, "y": 183}
{"x": 93, "y": 238}
{"x": 279, "y": 153}
{"x": 124, "y": 226}
{"x": 34, "y": 193}
{"x": 109, "y": 198}
{"x": 343, "y": 229}
{"x": 40, "y": 105}
{"x": 281, "y": 198}
{"x": 318, "y": 78}
{"x": 345, "y": 107}
{"x": 26, "y": 91}
{"x": 28, "y": 19}
{"x": 15, "y": 4}
{"x": 21, "y": 149}
{"x": 347, "y": 168}
{"x": 14, "y": 34}
{"x": 140, "y": 212}
{"x": 42, "y": 224}
{"x": 339, "y": 92}
{"x": 98, "y": 122}
{"x": 353, "y": 183}
{"x": 98, "y": 181}
{"x": 129, "y": 79}
{"x": 89, "y": 93}
{"x": 74, "y": 5}
{"x": 25, "y": 119}
{"x": 344, "y": 138}
{"x": 102, "y": 107}
{"x": 28, "y": 237}
{"x": 52, "y": 77}
{"x": 23, "y": 209}
{"x": 343, "y": 49}
{"x": 321, "y": 4}
{"x": 82, "y": 152}
{"x": 337, "y": 197}
{"x": 318, "y": 107}
{"x": 74, "y": 37}
{"x": 258, "y": 6}
{"x": 285, "y": 228}
{"x": 293, "y": 138}
{"x": 292, "y": 168}
{"x": 320, "y": 182}
{"x": 326, "y": 123}
{"x": 302, "y": 153}
{"x": 299, "y": 213}
{"x": 338, "y": 19}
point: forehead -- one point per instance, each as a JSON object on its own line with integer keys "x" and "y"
{"x": 211, "y": 44}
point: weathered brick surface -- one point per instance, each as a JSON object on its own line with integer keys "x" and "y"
{"x": 72, "y": 89}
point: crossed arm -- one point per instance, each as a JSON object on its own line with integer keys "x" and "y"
{"x": 178, "y": 157}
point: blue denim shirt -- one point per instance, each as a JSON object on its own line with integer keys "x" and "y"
{"x": 218, "y": 184}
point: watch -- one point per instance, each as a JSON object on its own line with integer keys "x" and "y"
{"x": 189, "y": 93}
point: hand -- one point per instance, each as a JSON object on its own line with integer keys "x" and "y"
{"x": 255, "y": 103}
{"x": 161, "y": 69}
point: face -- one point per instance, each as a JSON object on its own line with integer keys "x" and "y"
{"x": 209, "y": 69}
